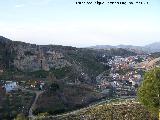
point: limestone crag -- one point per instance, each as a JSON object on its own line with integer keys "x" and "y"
{"x": 34, "y": 57}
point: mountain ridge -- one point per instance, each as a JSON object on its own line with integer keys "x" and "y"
{"x": 150, "y": 48}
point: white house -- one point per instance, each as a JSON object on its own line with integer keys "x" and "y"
{"x": 11, "y": 86}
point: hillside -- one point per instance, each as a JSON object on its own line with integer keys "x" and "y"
{"x": 20, "y": 58}
{"x": 129, "y": 110}
{"x": 153, "y": 47}
{"x": 23, "y": 57}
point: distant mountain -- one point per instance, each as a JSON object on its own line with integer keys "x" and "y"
{"x": 136, "y": 49}
{"x": 102, "y": 47}
{"x": 154, "y": 47}
{"x": 150, "y": 48}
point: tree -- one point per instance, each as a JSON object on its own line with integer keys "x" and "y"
{"x": 52, "y": 84}
{"x": 149, "y": 91}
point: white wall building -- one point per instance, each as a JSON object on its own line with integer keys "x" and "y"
{"x": 11, "y": 86}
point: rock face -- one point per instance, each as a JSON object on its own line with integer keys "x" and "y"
{"x": 33, "y": 58}
{"x": 29, "y": 57}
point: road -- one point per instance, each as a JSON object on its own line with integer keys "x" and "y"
{"x": 38, "y": 93}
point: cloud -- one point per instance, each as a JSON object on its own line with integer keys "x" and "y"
{"x": 19, "y": 5}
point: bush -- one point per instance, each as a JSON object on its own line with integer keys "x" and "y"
{"x": 61, "y": 72}
{"x": 149, "y": 91}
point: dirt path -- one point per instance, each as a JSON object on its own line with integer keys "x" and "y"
{"x": 38, "y": 93}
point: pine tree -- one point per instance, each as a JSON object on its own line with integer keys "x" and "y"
{"x": 149, "y": 91}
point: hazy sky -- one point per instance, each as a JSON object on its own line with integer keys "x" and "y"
{"x": 67, "y": 23}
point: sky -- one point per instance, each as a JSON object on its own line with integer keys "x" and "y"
{"x": 63, "y": 22}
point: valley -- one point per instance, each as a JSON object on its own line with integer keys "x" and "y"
{"x": 56, "y": 79}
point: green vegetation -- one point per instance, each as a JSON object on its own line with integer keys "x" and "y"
{"x": 139, "y": 60}
{"x": 62, "y": 98}
{"x": 39, "y": 74}
{"x": 61, "y": 72}
{"x": 149, "y": 92}
{"x": 54, "y": 87}
{"x": 21, "y": 116}
{"x": 58, "y": 108}
{"x": 15, "y": 103}
{"x": 87, "y": 60}
{"x": 120, "y": 52}
{"x": 10, "y": 74}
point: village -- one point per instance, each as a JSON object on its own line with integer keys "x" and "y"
{"x": 125, "y": 76}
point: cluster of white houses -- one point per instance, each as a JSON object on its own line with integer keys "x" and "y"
{"x": 122, "y": 83}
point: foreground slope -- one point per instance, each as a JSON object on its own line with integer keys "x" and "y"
{"x": 112, "y": 111}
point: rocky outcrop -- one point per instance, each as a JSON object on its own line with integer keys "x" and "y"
{"x": 33, "y": 57}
